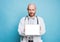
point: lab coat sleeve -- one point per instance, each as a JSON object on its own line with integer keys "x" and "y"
{"x": 21, "y": 27}
{"x": 42, "y": 26}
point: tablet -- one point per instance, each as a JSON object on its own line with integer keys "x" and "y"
{"x": 31, "y": 29}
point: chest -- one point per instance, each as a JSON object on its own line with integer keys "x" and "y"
{"x": 31, "y": 21}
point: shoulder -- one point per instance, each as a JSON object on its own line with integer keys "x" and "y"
{"x": 22, "y": 19}
{"x": 40, "y": 18}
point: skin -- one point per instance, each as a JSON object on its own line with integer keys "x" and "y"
{"x": 31, "y": 10}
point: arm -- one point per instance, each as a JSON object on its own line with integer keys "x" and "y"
{"x": 21, "y": 27}
{"x": 42, "y": 26}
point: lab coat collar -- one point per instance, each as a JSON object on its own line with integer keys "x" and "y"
{"x": 32, "y": 17}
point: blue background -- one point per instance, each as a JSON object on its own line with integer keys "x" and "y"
{"x": 11, "y": 11}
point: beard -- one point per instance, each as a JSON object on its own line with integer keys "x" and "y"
{"x": 31, "y": 14}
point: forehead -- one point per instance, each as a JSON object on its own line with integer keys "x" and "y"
{"x": 31, "y": 6}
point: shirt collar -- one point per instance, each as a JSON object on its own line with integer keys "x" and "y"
{"x": 32, "y": 17}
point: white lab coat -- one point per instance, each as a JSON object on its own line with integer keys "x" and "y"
{"x": 22, "y": 24}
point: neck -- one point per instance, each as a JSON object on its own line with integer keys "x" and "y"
{"x": 32, "y": 16}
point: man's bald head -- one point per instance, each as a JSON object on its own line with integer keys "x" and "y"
{"x": 31, "y": 5}
{"x": 31, "y": 9}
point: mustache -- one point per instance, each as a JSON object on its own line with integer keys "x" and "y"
{"x": 31, "y": 13}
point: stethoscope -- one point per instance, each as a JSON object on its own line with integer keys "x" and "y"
{"x": 36, "y": 18}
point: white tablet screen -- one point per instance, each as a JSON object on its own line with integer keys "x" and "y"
{"x": 32, "y": 29}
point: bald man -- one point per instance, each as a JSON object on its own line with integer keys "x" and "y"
{"x": 31, "y": 19}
